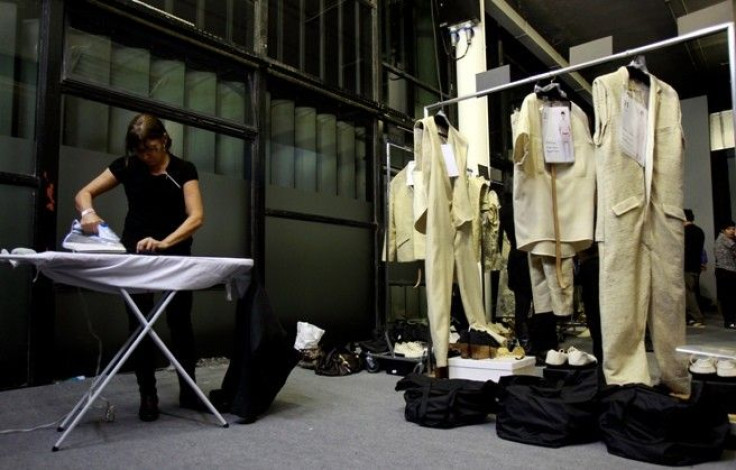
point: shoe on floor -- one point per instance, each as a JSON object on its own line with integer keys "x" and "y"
{"x": 731, "y": 326}
{"x": 726, "y": 368}
{"x": 555, "y": 357}
{"x": 148, "y": 410}
{"x": 704, "y": 365}
{"x": 578, "y": 358}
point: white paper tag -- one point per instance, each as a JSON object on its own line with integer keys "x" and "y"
{"x": 633, "y": 135}
{"x": 450, "y": 162}
{"x": 557, "y": 135}
{"x": 410, "y": 172}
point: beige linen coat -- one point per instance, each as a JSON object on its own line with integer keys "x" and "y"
{"x": 641, "y": 235}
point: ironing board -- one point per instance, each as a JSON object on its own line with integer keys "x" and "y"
{"x": 127, "y": 274}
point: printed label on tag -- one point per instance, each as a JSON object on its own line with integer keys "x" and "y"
{"x": 450, "y": 162}
{"x": 633, "y": 135}
{"x": 410, "y": 172}
{"x": 557, "y": 135}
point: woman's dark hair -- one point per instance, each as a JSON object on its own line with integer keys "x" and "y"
{"x": 143, "y": 127}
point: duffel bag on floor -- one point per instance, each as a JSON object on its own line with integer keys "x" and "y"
{"x": 640, "y": 423}
{"x": 549, "y": 413}
{"x": 447, "y": 403}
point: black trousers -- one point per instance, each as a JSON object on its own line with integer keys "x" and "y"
{"x": 179, "y": 321}
{"x": 588, "y": 276}
{"x": 726, "y": 292}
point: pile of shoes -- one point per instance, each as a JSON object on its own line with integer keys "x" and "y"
{"x": 410, "y": 349}
{"x": 725, "y": 368}
{"x": 478, "y": 343}
{"x": 571, "y": 357}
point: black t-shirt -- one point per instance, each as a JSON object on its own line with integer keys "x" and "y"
{"x": 694, "y": 239}
{"x": 155, "y": 202}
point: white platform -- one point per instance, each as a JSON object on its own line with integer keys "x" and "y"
{"x": 490, "y": 369}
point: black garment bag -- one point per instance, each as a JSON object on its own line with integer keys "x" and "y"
{"x": 640, "y": 423}
{"x": 549, "y": 413}
{"x": 447, "y": 403}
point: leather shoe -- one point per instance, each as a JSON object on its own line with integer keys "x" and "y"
{"x": 149, "y": 408}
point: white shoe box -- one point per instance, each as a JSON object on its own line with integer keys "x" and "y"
{"x": 490, "y": 369}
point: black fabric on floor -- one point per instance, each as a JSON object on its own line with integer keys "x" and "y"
{"x": 263, "y": 357}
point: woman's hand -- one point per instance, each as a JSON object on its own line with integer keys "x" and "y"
{"x": 90, "y": 222}
{"x": 150, "y": 245}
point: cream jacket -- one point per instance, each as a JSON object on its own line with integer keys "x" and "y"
{"x": 533, "y": 214}
{"x": 405, "y": 243}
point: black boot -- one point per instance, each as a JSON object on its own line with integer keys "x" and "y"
{"x": 148, "y": 410}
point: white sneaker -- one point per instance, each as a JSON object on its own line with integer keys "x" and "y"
{"x": 726, "y": 368}
{"x": 704, "y": 365}
{"x": 555, "y": 358}
{"x": 578, "y": 358}
{"x": 407, "y": 350}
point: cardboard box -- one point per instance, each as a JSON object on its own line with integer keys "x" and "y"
{"x": 490, "y": 369}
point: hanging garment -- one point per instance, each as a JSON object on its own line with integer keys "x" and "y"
{"x": 640, "y": 230}
{"x": 485, "y": 207}
{"x": 405, "y": 243}
{"x": 443, "y": 212}
{"x": 534, "y": 214}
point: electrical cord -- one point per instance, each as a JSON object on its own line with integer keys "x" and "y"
{"x": 108, "y": 407}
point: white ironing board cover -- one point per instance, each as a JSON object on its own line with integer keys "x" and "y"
{"x": 139, "y": 273}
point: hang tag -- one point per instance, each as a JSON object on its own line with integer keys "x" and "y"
{"x": 450, "y": 163}
{"x": 410, "y": 172}
{"x": 633, "y": 135}
{"x": 557, "y": 135}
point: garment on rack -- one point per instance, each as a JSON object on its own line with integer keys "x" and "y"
{"x": 640, "y": 230}
{"x": 534, "y": 214}
{"x": 484, "y": 202}
{"x": 405, "y": 243}
{"x": 443, "y": 212}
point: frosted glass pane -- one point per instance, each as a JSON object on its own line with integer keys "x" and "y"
{"x": 282, "y": 143}
{"x": 8, "y": 21}
{"x": 28, "y": 78}
{"x": 231, "y": 100}
{"x": 345, "y": 160}
{"x": 87, "y": 56}
{"x": 360, "y": 164}
{"x": 716, "y": 132}
{"x": 201, "y": 91}
{"x": 327, "y": 154}
{"x": 200, "y": 148}
{"x": 167, "y": 81}
{"x": 85, "y": 124}
{"x": 727, "y": 122}
{"x": 130, "y": 69}
{"x": 305, "y": 142}
{"x": 230, "y": 156}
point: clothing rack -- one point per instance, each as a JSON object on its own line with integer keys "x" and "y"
{"x": 389, "y": 146}
{"x": 729, "y": 28}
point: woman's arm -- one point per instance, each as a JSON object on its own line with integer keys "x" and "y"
{"x": 194, "y": 220}
{"x": 83, "y": 200}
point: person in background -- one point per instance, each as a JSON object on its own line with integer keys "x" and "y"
{"x": 694, "y": 240}
{"x": 725, "y": 254}
{"x": 164, "y": 210}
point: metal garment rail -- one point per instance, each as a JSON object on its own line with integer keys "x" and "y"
{"x": 389, "y": 146}
{"x": 725, "y": 27}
